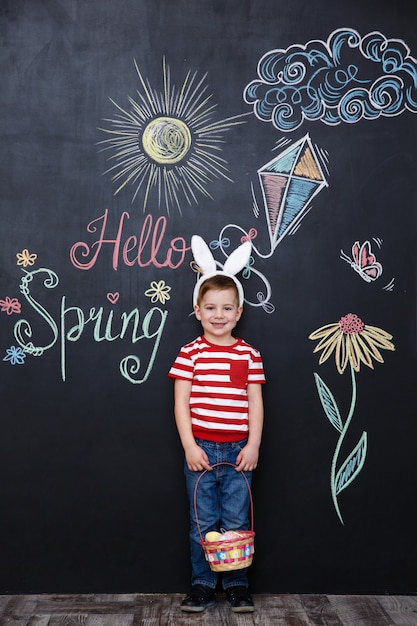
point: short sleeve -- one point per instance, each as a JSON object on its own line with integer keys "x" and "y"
{"x": 183, "y": 367}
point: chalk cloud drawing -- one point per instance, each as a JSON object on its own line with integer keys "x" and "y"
{"x": 353, "y": 343}
{"x": 168, "y": 142}
{"x": 343, "y": 80}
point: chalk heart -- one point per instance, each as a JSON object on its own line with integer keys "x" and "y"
{"x": 113, "y": 297}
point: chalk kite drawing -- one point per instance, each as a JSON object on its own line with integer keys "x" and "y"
{"x": 168, "y": 142}
{"x": 353, "y": 343}
{"x": 289, "y": 183}
{"x": 343, "y": 80}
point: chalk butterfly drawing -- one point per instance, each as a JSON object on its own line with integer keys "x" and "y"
{"x": 363, "y": 261}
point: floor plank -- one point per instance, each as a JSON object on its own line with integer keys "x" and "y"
{"x": 360, "y": 611}
{"x": 164, "y": 610}
{"x": 320, "y": 611}
{"x": 402, "y": 609}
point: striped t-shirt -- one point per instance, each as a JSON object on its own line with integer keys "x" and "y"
{"x": 220, "y": 376}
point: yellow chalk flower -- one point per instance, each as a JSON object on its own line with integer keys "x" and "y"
{"x": 158, "y": 291}
{"x": 352, "y": 341}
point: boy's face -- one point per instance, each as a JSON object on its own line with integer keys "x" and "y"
{"x": 218, "y": 312}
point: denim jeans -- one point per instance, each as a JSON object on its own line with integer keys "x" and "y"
{"x": 222, "y": 503}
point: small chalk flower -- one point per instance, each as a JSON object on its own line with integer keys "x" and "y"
{"x": 24, "y": 258}
{"x": 158, "y": 292}
{"x": 10, "y": 305}
{"x": 15, "y": 355}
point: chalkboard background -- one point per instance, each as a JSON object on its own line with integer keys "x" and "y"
{"x": 91, "y": 484}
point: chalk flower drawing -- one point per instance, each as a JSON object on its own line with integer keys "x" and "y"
{"x": 168, "y": 141}
{"x": 353, "y": 342}
{"x": 158, "y": 291}
{"x": 15, "y": 355}
{"x": 24, "y": 258}
{"x": 10, "y": 305}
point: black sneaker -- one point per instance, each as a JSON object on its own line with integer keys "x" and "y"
{"x": 240, "y": 600}
{"x": 198, "y": 599}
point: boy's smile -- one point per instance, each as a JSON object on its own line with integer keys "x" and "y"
{"x": 218, "y": 312}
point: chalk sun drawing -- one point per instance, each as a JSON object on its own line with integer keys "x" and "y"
{"x": 168, "y": 143}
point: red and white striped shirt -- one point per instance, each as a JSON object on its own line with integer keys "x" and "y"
{"x": 220, "y": 376}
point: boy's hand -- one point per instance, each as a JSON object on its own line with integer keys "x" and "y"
{"x": 197, "y": 459}
{"x": 247, "y": 459}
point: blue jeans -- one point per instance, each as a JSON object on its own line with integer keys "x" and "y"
{"x": 222, "y": 503}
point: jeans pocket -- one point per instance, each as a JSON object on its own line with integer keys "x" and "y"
{"x": 237, "y": 447}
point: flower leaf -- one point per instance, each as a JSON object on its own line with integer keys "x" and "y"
{"x": 329, "y": 403}
{"x": 352, "y": 466}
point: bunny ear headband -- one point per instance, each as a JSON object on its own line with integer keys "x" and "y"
{"x": 205, "y": 260}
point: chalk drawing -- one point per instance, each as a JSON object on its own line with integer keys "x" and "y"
{"x": 10, "y": 305}
{"x": 353, "y": 343}
{"x": 158, "y": 291}
{"x": 289, "y": 182}
{"x": 168, "y": 142}
{"x": 25, "y": 258}
{"x": 343, "y": 80}
{"x": 15, "y": 355}
{"x": 363, "y": 261}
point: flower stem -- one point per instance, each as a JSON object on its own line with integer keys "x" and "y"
{"x": 339, "y": 444}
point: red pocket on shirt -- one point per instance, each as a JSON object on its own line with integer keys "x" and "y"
{"x": 239, "y": 373}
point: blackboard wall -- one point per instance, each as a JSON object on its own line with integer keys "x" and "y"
{"x": 91, "y": 485}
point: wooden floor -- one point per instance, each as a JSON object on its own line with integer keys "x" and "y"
{"x": 155, "y": 610}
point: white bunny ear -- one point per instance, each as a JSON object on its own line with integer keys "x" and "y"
{"x": 202, "y": 255}
{"x": 238, "y": 259}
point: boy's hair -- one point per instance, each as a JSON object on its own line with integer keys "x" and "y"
{"x": 219, "y": 282}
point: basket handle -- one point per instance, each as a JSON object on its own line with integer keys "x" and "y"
{"x": 195, "y": 494}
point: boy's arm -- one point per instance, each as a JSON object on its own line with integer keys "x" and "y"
{"x": 195, "y": 456}
{"x": 247, "y": 459}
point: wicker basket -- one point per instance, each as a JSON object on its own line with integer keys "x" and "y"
{"x": 227, "y": 555}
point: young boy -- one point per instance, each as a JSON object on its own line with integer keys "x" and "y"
{"x": 219, "y": 416}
